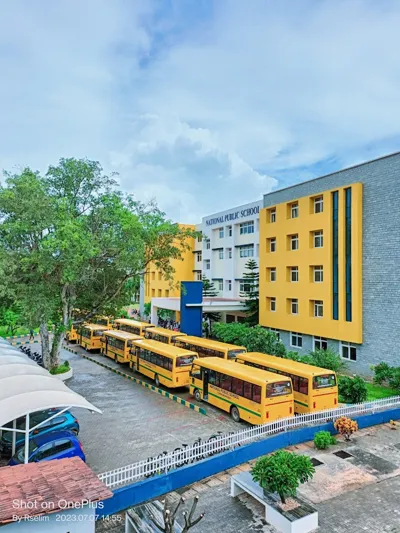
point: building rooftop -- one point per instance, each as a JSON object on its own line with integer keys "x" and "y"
{"x": 35, "y": 489}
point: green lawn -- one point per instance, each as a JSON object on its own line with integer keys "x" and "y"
{"x": 375, "y": 392}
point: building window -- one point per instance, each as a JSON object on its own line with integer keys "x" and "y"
{"x": 246, "y": 227}
{"x": 272, "y": 274}
{"x": 272, "y": 215}
{"x": 244, "y": 286}
{"x": 199, "y": 256}
{"x": 294, "y": 306}
{"x": 318, "y": 274}
{"x": 159, "y": 293}
{"x": 318, "y": 239}
{"x": 208, "y": 244}
{"x": 276, "y": 331}
{"x": 167, "y": 293}
{"x": 228, "y": 285}
{"x": 246, "y": 251}
{"x": 153, "y": 276}
{"x": 220, "y": 285}
{"x": 296, "y": 340}
{"x": 294, "y": 210}
{"x": 229, "y": 231}
{"x": 229, "y": 253}
{"x": 318, "y": 204}
{"x": 349, "y": 351}
{"x": 320, "y": 343}
{"x": 294, "y": 274}
{"x": 294, "y": 242}
{"x": 159, "y": 276}
{"x": 318, "y": 308}
{"x": 153, "y": 292}
{"x": 272, "y": 244}
{"x": 220, "y": 254}
{"x": 272, "y": 304}
{"x": 198, "y": 276}
{"x": 199, "y": 238}
{"x": 221, "y": 233}
{"x": 208, "y": 264}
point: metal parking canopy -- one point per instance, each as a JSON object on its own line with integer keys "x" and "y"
{"x": 26, "y": 388}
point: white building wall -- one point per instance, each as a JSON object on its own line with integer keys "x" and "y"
{"x": 229, "y": 268}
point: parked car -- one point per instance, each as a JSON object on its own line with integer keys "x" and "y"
{"x": 66, "y": 421}
{"x": 21, "y": 419}
{"x": 49, "y": 446}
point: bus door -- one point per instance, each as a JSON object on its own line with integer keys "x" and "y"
{"x": 205, "y": 383}
{"x": 137, "y": 358}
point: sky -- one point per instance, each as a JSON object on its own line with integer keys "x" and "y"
{"x": 202, "y": 105}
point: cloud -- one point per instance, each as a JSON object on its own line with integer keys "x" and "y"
{"x": 201, "y": 104}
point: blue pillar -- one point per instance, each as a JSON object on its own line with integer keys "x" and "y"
{"x": 191, "y": 308}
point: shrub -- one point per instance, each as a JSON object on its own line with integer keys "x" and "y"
{"x": 394, "y": 378}
{"x": 60, "y": 369}
{"x": 328, "y": 359}
{"x": 345, "y": 426}
{"x": 282, "y": 472}
{"x": 382, "y": 372}
{"x": 353, "y": 390}
{"x": 323, "y": 439}
{"x": 232, "y": 333}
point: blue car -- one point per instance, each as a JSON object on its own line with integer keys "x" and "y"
{"x": 65, "y": 421}
{"x": 49, "y": 446}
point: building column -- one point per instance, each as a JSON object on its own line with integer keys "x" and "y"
{"x": 153, "y": 314}
{"x": 141, "y": 297}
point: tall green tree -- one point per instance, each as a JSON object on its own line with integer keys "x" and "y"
{"x": 251, "y": 294}
{"x": 71, "y": 239}
{"x": 209, "y": 291}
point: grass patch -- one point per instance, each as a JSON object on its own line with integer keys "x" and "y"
{"x": 61, "y": 369}
{"x": 18, "y": 332}
{"x": 376, "y": 392}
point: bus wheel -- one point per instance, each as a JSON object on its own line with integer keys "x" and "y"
{"x": 157, "y": 380}
{"x": 197, "y": 395}
{"x": 235, "y": 414}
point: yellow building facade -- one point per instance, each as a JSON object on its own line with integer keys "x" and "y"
{"x": 311, "y": 265}
{"x": 155, "y": 286}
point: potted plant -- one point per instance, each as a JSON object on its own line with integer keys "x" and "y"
{"x": 282, "y": 473}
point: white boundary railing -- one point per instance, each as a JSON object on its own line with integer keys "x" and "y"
{"x": 190, "y": 454}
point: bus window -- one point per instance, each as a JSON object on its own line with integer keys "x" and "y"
{"x": 195, "y": 372}
{"x": 226, "y": 382}
{"x": 327, "y": 380}
{"x": 303, "y": 386}
{"x": 256, "y": 393}
{"x": 212, "y": 377}
{"x": 237, "y": 386}
{"x": 184, "y": 360}
{"x": 278, "y": 389}
{"x": 232, "y": 354}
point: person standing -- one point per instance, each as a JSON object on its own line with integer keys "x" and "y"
{"x": 31, "y": 335}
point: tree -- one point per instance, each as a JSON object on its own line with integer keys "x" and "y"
{"x": 251, "y": 294}
{"x": 282, "y": 472}
{"x": 254, "y": 339}
{"x": 328, "y": 359}
{"x": 209, "y": 291}
{"x": 170, "y": 516}
{"x": 71, "y": 239}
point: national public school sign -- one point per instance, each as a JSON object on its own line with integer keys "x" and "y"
{"x": 233, "y": 216}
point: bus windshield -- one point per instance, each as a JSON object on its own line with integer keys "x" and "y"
{"x": 327, "y": 380}
{"x": 184, "y": 360}
{"x": 232, "y": 354}
{"x": 278, "y": 389}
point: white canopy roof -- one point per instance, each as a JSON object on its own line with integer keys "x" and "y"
{"x": 25, "y": 388}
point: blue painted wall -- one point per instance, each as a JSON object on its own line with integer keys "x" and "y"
{"x": 192, "y": 317}
{"x": 156, "y": 486}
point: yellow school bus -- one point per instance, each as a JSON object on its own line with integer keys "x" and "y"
{"x": 166, "y": 364}
{"x": 117, "y": 344}
{"x": 314, "y": 388}
{"x": 90, "y": 336}
{"x": 132, "y": 326}
{"x": 208, "y": 348}
{"x": 249, "y": 394}
{"x": 72, "y": 333}
{"x": 168, "y": 336}
{"x": 103, "y": 321}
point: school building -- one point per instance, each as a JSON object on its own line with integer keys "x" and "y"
{"x": 330, "y": 263}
